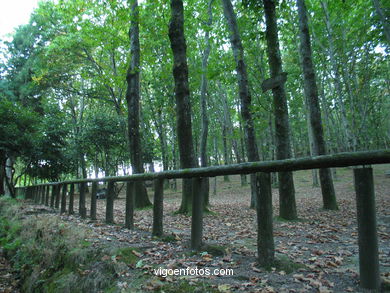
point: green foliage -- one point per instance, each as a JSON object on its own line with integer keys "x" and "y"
{"x": 49, "y": 159}
{"x": 18, "y": 128}
{"x": 66, "y": 71}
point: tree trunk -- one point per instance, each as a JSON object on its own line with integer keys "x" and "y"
{"x": 311, "y": 93}
{"x": 9, "y": 184}
{"x": 133, "y": 98}
{"x": 314, "y": 173}
{"x": 182, "y": 95}
{"x": 347, "y": 136}
{"x": 3, "y": 160}
{"x": 158, "y": 121}
{"x": 242, "y": 147}
{"x": 287, "y": 202}
{"x": 226, "y": 159}
{"x": 174, "y": 154}
{"x": 227, "y": 129}
{"x": 242, "y": 79}
{"x": 382, "y": 17}
{"x": 203, "y": 101}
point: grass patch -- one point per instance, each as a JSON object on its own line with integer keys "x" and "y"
{"x": 169, "y": 238}
{"x": 283, "y": 263}
{"x": 127, "y": 255}
{"x": 214, "y": 250}
{"x": 50, "y": 255}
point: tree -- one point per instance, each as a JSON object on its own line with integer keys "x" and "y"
{"x": 244, "y": 93}
{"x": 311, "y": 93}
{"x": 19, "y": 130}
{"x": 287, "y": 204}
{"x": 203, "y": 101}
{"x": 182, "y": 96}
{"x": 132, "y": 98}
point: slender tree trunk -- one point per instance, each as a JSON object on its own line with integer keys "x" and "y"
{"x": 311, "y": 93}
{"x": 314, "y": 173}
{"x": 345, "y": 127}
{"x": 227, "y": 130}
{"x": 132, "y": 98}
{"x": 382, "y": 17}
{"x": 174, "y": 154}
{"x": 287, "y": 202}
{"x": 8, "y": 183}
{"x": 242, "y": 147}
{"x": 203, "y": 101}
{"x": 158, "y": 121}
{"x": 182, "y": 95}
{"x": 245, "y": 97}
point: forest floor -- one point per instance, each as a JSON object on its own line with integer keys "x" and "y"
{"x": 318, "y": 253}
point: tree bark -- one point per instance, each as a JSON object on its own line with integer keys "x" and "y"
{"x": 182, "y": 95}
{"x": 287, "y": 204}
{"x": 244, "y": 94}
{"x": 311, "y": 93}
{"x": 133, "y": 98}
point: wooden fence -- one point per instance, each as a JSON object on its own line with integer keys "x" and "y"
{"x": 55, "y": 195}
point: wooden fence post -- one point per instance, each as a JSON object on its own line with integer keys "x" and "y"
{"x": 130, "y": 201}
{"x": 197, "y": 214}
{"x": 110, "y": 203}
{"x": 58, "y": 194}
{"x": 43, "y": 193}
{"x": 63, "y": 198}
{"x": 71, "y": 200}
{"x": 47, "y": 195}
{"x": 53, "y": 195}
{"x": 265, "y": 236}
{"x": 36, "y": 194}
{"x": 42, "y": 197}
{"x": 158, "y": 207}
{"x": 367, "y": 229}
{"x": 82, "y": 208}
{"x": 31, "y": 193}
{"x": 93, "y": 200}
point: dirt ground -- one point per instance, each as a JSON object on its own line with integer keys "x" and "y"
{"x": 318, "y": 253}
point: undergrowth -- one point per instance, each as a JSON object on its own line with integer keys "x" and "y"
{"x": 49, "y": 255}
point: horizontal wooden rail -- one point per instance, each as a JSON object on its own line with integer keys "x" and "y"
{"x": 326, "y": 161}
{"x": 365, "y": 198}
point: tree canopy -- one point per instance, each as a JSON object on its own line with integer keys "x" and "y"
{"x": 63, "y": 84}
